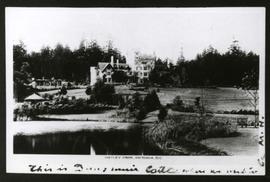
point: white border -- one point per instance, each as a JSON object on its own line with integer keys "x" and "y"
{"x": 185, "y": 165}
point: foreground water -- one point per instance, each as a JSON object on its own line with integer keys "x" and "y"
{"x": 109, "y": 138}
{"x": 246, "y": 144}
{"x": 90, "y": 138}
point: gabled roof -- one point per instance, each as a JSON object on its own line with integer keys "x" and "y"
{"x": 102, "y": 66}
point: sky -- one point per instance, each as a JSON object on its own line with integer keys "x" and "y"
{"x": 148, "y": 30}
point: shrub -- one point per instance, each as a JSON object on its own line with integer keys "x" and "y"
{"x": 103, "y": 93}
{"x": 119, "y": 76}
{"x": 162, "y": 113}
{"x": 64, "y": 106}
{"x": 15, "y": 114}
{"x": 187, "y": 134}
{"x": 177, "y": 128}
{"x": 46, "y": 96}
{"x": 121, "y": 102}
{"x": 178, "y": 102}
{"x": 88, "y": 90}
{"x": 151, "y": 101}
{"x": 198, "y": 106}
{"x": 63, "y": 90}
{"x": 178, "y": 105}
{"x": 141, "y": 114}
{"x": 69, "y": 85}
{"x": 135, "y": 102}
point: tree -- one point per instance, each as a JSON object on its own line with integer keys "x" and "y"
{"x": 151, "y": 101}
{"x": 22, "y": 73}
{"x": 63, "y": 90}
{"x": 162, "y": 113}
{"x": 141, "y": 114}
{"x": 161, "y": 74}
{"x": 103, "y": 93}
{"x": 178, "y": 101}
{"x": 19, "y": 55}
{"x": 61, "y": 62}
{"x": 219, "y": 69}
{"x": 199, "y": 106}
{"x": 88, "y": 90}
{"x": 250, "y": 85}
{"x": 135, "y": 102}
{"x": 119, "y": 76}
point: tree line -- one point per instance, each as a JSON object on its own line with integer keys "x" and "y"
{"x": 209, "y": 68}
{"x": 60, "y": 62}
{"x": 63, "y": 63}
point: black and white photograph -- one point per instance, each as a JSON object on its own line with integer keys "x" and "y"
{"x": 135, "y": 87}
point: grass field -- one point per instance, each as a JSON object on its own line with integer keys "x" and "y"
{"x": 223, "y": 99}
{"x": 219, "y": 99}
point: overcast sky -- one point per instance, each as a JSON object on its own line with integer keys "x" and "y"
{"x": 160, "y": 30}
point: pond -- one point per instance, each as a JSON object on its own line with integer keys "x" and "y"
{"x": 86, "y": 142}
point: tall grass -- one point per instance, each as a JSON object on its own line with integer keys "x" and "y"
{"x": 178, "y": 136}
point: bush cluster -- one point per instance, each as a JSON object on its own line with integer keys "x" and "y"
{"x": 245, "y": 112}
{"x": 64, "y": 106}
{"x": 102, "y": 93}
{"x": 178, "y": 105}
{"x": 162, "y": 113}
{"x": 141, "y": 106}
{"x": 175, "y": 129}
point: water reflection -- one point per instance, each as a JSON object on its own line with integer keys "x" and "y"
{"x": 97, "y": 142}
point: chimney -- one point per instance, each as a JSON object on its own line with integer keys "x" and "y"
{"x": 112, "y": 60}
{"x": 117, "y": 63}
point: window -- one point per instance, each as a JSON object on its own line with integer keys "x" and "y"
{"x": 145, "y": 74}
{"x": 145, "y": 67}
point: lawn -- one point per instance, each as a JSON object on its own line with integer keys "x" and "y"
{"x": 219, "y": 99}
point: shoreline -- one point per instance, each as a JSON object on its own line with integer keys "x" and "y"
{"x": 43, "y": 127}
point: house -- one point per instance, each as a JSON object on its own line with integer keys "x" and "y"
{"x": 105, "y": 71}
{"x": 143, "y": 66}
